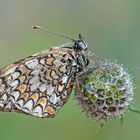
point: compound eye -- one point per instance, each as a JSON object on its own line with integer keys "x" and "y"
{"x": 82, "y": 45}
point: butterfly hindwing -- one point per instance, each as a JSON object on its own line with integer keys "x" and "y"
{"x": 40, "y": 84}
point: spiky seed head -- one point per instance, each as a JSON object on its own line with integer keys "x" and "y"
{"x": 106, "y": 91}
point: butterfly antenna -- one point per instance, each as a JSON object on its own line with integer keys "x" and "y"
{"x": 54, "y": 33}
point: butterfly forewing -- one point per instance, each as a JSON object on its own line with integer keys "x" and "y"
{"x": 38, "y": 85}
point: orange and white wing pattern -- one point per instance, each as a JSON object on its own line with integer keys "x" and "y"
{"x": 38, "y": 85}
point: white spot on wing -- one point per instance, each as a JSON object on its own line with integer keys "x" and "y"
{"x": 50, "y": 90}
{"x": 43, "y": 87}
{"x": 37, "y": 111}
{"x": 42, "y": 61}
{"x": 64, "y": 79}
{"x": 32, "y": 64}
{"x": 9, "y": 79}
{"x": 54, "y": 99}
{"x": 4, "y": 97}
{"x": 16, "y": 95}
{"x": 15, "y": 75}
{"x": 19, "y": 103}
{"x": 34, "y": 86}
{"x": 29, "y": 105}
{"x": 2, "y": 88}
{"x": 11, "y": 70}
{"x": 36, "y": 71}
{"x": 34, "y": 79}
{"x": 14, "y": 84}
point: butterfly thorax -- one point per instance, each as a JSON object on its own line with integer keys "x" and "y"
{"x": 82, "y": 62}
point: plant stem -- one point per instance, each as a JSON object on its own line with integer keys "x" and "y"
{"x": 134, "y": 110}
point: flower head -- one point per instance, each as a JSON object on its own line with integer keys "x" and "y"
{"x": 105, "y": 91}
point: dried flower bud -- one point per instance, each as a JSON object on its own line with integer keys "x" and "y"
{"x": 105, "y": 91}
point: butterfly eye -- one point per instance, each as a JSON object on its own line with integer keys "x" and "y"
{"x": 81, "y": 44}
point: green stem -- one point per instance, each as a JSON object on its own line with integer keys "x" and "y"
{"x": 134, "y": 110}
{"x": 122, "y": 120}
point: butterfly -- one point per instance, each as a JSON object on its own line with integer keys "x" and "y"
{"x": 41, "y": 84}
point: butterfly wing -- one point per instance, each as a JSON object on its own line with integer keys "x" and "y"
{"x": 38, "y": 85}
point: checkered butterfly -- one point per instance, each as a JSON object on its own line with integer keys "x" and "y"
{"x": 41, "y": 84}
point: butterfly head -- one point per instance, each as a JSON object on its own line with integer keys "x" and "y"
{"x": 81, "y": 43}
{"x": 80, "y": 47}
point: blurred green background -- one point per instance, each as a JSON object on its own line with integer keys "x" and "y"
{"x": 111, "y": 28}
